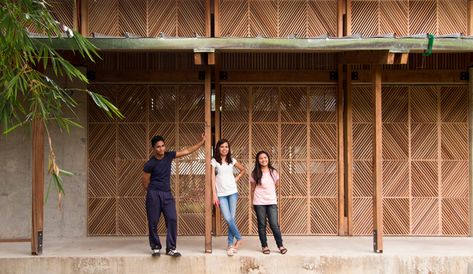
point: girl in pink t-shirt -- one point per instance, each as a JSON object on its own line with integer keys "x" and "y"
{"x": 263, "y": 189}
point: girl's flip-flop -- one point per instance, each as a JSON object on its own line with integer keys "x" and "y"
{"x": 283, "y": 250}
{"x": 266, "y": 250}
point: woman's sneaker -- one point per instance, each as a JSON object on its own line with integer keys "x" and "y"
{"x": 173, "y": 253}
{"x": 155, "y": 252}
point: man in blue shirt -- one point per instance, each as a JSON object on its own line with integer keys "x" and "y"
{"x": 157, "y": 183}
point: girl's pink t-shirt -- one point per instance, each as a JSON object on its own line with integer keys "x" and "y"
{"x": 265, "y": 193}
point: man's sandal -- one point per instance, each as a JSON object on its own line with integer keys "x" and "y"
{"x": 266, "y": 250}
{"x": 283, "y": 250}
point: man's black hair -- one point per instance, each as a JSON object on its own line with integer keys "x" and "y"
{"x": 156, "y": 139}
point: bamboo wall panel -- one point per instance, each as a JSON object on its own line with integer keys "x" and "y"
{"x": 297, "y": 126}
{"x": 408, "y": 17}
{"x": 119, "y": 148}
{"x": 147, "y": 18}
{"x": 62, "y": 11}
{"x": 276, "y": 18}
{"x": 425, "y": 160}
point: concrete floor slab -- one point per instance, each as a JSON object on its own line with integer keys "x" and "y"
{"x": 305, "y": 255}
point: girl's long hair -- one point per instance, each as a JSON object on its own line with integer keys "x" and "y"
{"x": 257, "y": 174}
{"x": 217, "y": 156}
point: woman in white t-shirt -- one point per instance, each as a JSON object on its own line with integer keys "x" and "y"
{"x": 263, "y": 190}
{"x": 225, "y": 193}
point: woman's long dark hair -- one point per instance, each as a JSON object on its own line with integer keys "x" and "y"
{"x": 257, "y": 174}
{"x": 217, "y": 156}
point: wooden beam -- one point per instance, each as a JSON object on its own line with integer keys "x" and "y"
{"x": 37, "y": 205}
{"x": 377, "y": 160}
{"x": 208, "y": 147}
{"x": 340, "y": 150}
{"x": 366, "y": 57}
{"x": 266, "y": 44}
{"x": 414, "y": 76}
{"x": 145, "y": 76}
{"x": 279, "y": 76}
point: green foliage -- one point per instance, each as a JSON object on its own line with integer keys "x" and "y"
{"x": 26, "y": 93}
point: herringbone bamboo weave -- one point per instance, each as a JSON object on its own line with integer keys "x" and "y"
{"x": 407, "y": 17}
{"x": 147, "y": 18}
{"x": 276, "y": 18}
{"x": 119, "y": 148}
{"x": 425, "y": 160}
{"x": 297, "y": 126}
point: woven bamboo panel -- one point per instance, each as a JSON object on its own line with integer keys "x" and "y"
{"x": 147, "y": 18}
{"x": 277, "y": 18}
{"x": 281, "y": 121}
{"x": 425, "y": 160}
{"x": 63, "y": 11}
{"x": 119, "y": 148}
{"x": 407, "y": 17}
{"x": 263, "y": 17}
{"x": 104, "y": 17}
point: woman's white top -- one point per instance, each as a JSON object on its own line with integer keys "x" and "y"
{"x": 224, "y": 179}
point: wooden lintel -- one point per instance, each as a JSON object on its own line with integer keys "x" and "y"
{"x": 279, "y": 76}
{"x": 412, "y": 76}
{"x": 267, "y": 44}
{"x": 366, "y": 57}
{"x": 146, "y": 76}
{"x": 198, "y": 58}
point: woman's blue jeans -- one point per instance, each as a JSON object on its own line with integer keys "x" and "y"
{"x": 228, "y": 208}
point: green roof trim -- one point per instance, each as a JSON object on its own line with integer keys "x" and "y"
{"x": 271, "y": 44}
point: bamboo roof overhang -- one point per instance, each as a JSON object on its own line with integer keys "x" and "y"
{"x": 201, "y": 44}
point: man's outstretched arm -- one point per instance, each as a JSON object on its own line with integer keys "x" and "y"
{"x": 191, "y": 149}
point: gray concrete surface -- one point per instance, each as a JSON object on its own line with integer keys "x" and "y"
{"x": 305, "y": 255}
{"x": 15, "y": 180}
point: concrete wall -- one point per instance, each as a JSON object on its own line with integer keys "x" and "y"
{"x": 15, "y": 180}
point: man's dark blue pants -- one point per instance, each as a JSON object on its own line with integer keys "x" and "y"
{"x": 157, "y": 202}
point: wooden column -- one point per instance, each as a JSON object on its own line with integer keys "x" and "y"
{"x": 217, "y": 18}
{"x": 349, "y": 150}
{"x": 377, "y": 161}
{"x": 84, "y": 17}
{"x": 37, "y": 187}
{"x": 470, "y": 17}
{"x": 208, "y": 20}
{"x": 208, "y": 147}
{"x": 340, "y": 14}
{"x": 218, "y": 93}
{"x": 470, "y": 142}
{"x": 340, "y": 153}
{"x": 348, "y": 18}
